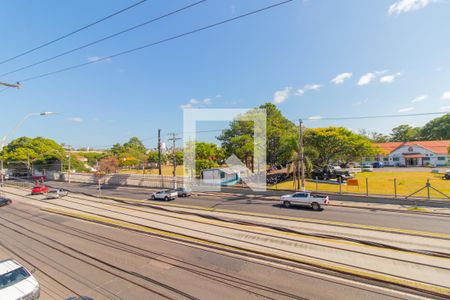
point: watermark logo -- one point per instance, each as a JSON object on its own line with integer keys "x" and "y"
{"x": 235, "y": 170}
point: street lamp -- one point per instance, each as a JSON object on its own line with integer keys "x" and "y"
{"x": 4, "y": 140}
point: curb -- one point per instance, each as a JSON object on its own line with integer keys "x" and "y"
{"x": 408, "y": 283}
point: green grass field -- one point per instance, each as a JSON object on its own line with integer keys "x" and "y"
{"x": 166, "y": 170}
{"x": 382, "y": 183}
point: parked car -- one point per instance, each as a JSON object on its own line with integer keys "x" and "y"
{"x": 5, "y": 201}
{"x": 378, "y": 164}
{"x": 39, "y": 189}
{"x": 183, "y": 192}
{"x": 447, "y": 175}
{"x": 56, "y": 193}
{"x": 331, "y": 172}
{"x": 315, "y": 201}
{"x": 164, "y": 195}
{"x": 16, "y": 282}
{"x": 367, "y": 168}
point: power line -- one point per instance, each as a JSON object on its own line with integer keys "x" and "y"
{"x": 104, "y": 38}
{"x": 159, "y": 42}
{"x": 73, "y": 32}
{"x": 371, "y": 117}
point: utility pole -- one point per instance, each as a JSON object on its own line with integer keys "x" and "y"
{"x": 159, "y": 151}
{"x": 174, "y": 139}
{"x": 301, "y": 157}
{"x": 68, "y": 170}
{"x": 28, "y": 165}
{"x": 2, "y": 174}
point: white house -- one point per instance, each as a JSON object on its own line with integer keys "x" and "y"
{"x": 417, "y": 153}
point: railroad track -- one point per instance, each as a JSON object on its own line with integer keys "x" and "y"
{"x": 151, "y": 210}
{"x": 232, "y": 281}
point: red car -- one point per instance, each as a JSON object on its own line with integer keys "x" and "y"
{"x": 38, "y": 189}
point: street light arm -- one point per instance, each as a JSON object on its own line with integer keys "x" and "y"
{"x": 5, "y": 138}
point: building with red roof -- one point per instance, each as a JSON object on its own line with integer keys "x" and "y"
{"x": 416, "y": 153}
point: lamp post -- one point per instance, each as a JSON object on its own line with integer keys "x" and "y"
{"x": 5, "y": 138}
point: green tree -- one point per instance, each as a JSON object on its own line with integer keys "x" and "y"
{"x": 178, "y": 158}
{"x": 40, "y": 152}
{"x": 377, "y": 137}
{"x": 405, "y": 133}
{"x": 135, "y": 144}
{"x": 437, "y": 129}
{"x": 153, "y": 157}
{"x": 333, "y": 144}
{"x": 238, "y": 138}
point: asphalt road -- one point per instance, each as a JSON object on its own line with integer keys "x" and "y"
{"x": 76, "y": 257}
{"x": 410, "y": 221}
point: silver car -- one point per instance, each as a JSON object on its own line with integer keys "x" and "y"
{"x": 56, "y": 193}
{"x": 164, "y": 195}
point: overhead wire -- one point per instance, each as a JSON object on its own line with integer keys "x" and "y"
{"x": 158, "y": 42}
{"x": 369, "y": 117}
{"x": 73, "y": 32}
{"x": 104, "y": 38}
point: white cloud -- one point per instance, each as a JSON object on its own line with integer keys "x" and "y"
{"x": 312, "y": 118}
{"x": 185, "y": 106}
{"x": 445, "y": 108}
{"x": 281, "y": 95}
{"x": 299, "y": 92}
{"x": 361, "y": 102}
{"x": 446, "y": 95}
{"x": 312, "y": 87}
{"x": 406, "y": 109}
{"x": 219, "y": 96}
{"x": 75, "y": 119}
{"x": 419, "y": 98}
{"x": 403, "y": 6}
{"x": 98, "y": 59}
{"x": 389, "y": 78}
{"x": 196, "y": 102}
{"x": 339, "y": 79}
{"x": 366, "y": 78}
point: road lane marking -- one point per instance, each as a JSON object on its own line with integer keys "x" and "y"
{"x": 348, "y": 270}
{"x": 287, "y": 218}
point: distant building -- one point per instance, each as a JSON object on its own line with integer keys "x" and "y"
{"x": 417, "y": 153}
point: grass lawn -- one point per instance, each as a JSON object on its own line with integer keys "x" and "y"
{"x": 166, "y": 170}
{"x": 382, "y": 183}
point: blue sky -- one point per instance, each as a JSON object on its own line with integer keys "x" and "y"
{"x": 387, "y": 52}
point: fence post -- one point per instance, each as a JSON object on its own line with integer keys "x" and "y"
{"x": 367, "y": 186}
{"x": 395, "y": 187}
{"x": 428, "y": 188}
{"x": 317, "y": 185}
{"x": 340, "y": 187}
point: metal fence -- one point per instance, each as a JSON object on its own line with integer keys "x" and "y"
{"x": 430, "y": 186}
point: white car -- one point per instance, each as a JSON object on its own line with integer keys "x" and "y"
{"x": 367, "y": 168}
{"x": 304, "y": 198}
{"x": 16, "y": 282}
{"x": 56, "y": 193}
{"x": 164, "y": 195}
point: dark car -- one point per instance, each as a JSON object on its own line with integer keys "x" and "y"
{"x": 5, "y": 201}
{"x": 378, "y": 164}
{"x": 184, "y": 192}
{"x": 447, "y": 175}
